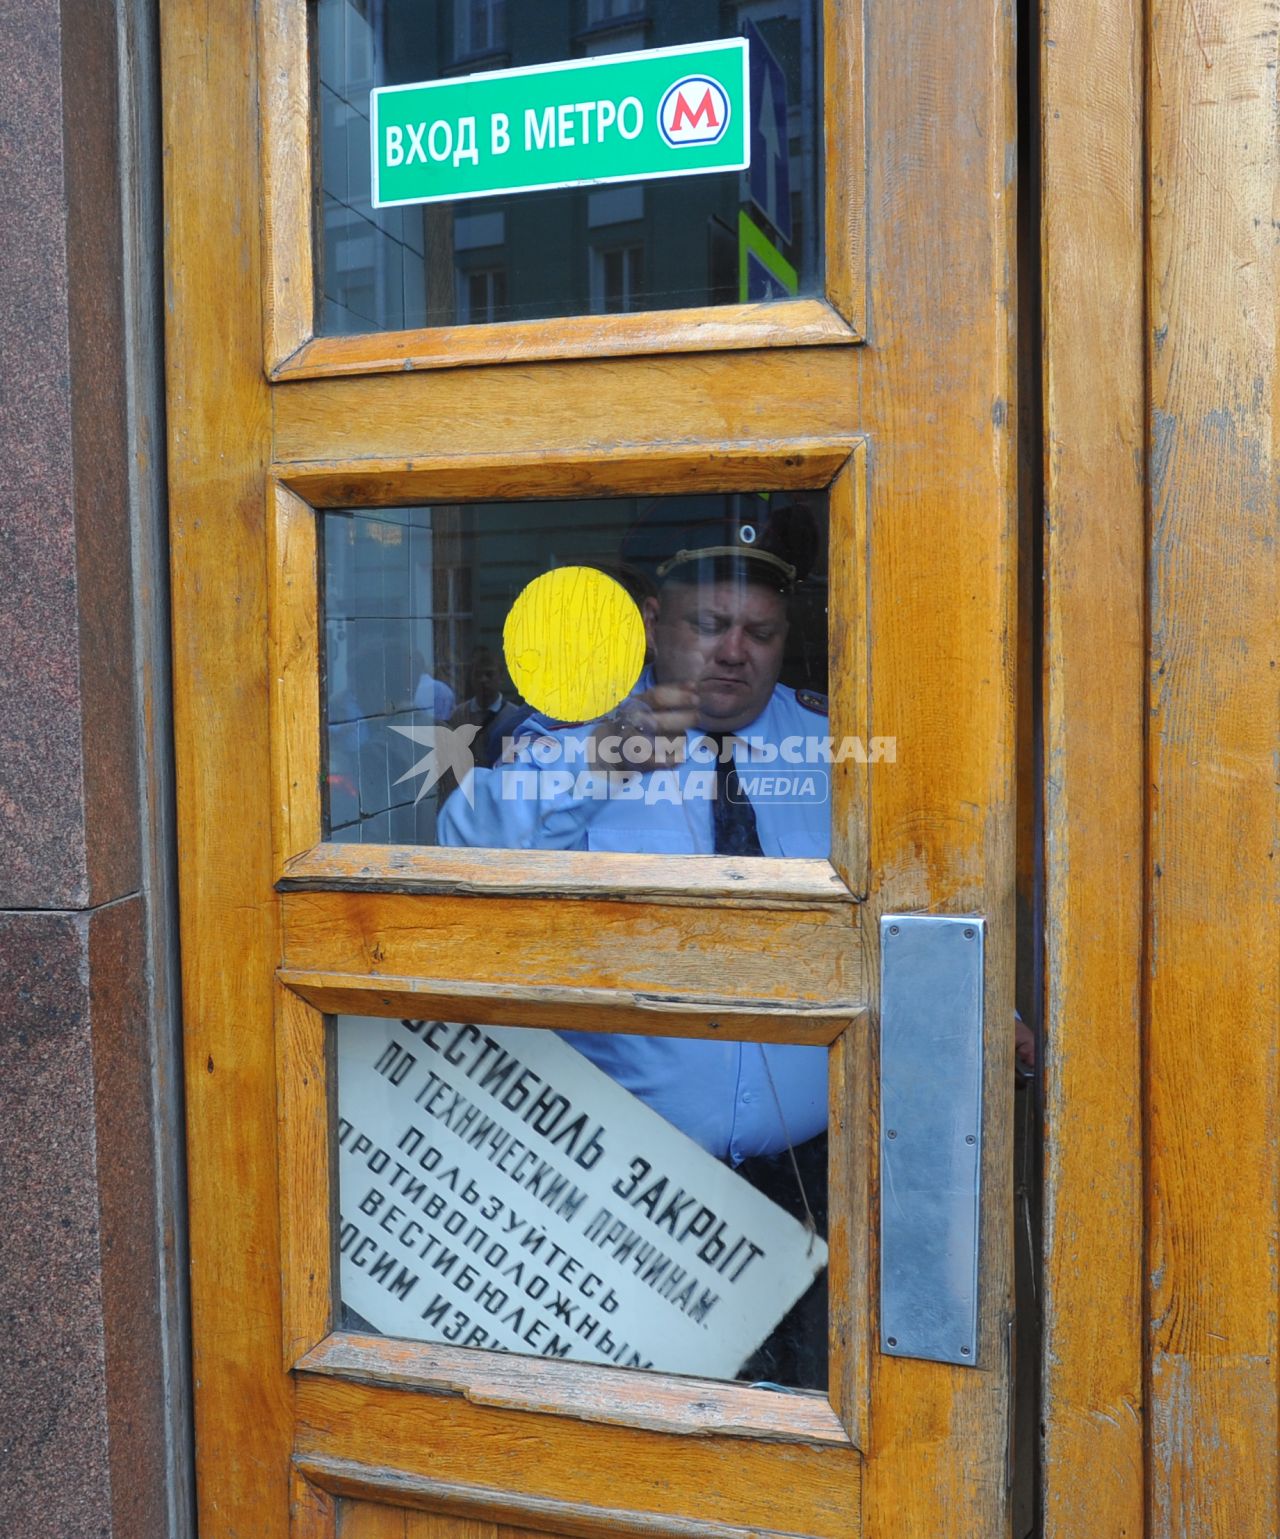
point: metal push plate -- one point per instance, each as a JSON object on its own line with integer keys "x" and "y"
{"x": 930, "y": 1135}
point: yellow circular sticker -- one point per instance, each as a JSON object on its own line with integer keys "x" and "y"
{"x": 574, "y": 642}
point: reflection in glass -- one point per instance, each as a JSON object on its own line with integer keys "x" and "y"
{"x": 649, "y": 1202}
{"x": 480, "y": 27}
{"x": 728, "y": 595}
{"x": 665, "y": 244}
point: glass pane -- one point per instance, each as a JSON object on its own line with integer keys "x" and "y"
{"x": 649, "y": 1202}
{"x": 642, "y": 674}
{"x": 668, "y": 242}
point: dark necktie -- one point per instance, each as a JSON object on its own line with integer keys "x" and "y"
{"x": 733, "y": 816}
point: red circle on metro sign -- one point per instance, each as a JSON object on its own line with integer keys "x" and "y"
{"x": 694, "y": 111}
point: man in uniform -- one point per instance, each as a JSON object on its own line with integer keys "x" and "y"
{"x": 711, "y": 754}
{"x": 673, "y": 771}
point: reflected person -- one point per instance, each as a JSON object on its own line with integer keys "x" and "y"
{"x": 488, "y": 707}
{"x": 707, "y": 713}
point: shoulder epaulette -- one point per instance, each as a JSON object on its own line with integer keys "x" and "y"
{"x": 813, "y": 701}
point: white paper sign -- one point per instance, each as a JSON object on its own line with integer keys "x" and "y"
{"x": 499, "y": 1190}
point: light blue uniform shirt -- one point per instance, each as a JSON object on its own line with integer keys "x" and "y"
{"x": 729, "y": 1096}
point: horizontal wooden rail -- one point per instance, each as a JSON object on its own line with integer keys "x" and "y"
{"x": 617, "y": 1397}
{"x": 746, "y": 882}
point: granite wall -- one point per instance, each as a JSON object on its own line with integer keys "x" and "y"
{"x": 89, "y": 1387}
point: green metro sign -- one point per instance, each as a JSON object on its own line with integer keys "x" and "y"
{"x": 624, "y": 118}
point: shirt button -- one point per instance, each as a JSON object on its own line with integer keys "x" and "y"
{"x": 748, "y": 1097}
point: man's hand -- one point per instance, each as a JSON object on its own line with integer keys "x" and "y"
{"x": 647, "y": 731}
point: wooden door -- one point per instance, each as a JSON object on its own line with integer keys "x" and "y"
{"x": 890, "y": 390}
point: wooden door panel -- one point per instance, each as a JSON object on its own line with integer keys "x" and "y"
{"x": 560, "y": 466}
{"x": 790, "y": 956}
{"x": 588, "y": 1393}
{"x": 359, "y": 1437}
{"x": 369, "y": 1520}
{"x": 714, "y": 402}
{"x": 579, "y": 1477}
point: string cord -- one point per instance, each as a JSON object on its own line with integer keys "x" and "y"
{"x": 810, "y": 1223}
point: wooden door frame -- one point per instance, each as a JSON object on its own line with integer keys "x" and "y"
{"x": 933, "y": 392}
{"x": 1160, "y": 281}
{"x": 294, "y": 351}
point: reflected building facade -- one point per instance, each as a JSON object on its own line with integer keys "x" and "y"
{"x": 660, "y": 245}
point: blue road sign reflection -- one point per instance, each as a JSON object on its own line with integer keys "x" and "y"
{"x": 770, "y": 148}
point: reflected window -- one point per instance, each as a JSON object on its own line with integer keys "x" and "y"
{"x": 482, "y": 295}
{"x": 601, "y": 11}
{"x": 695, "y": 240}
{"x": 480, "y": 27}
{"x": 625, "y": 674}
{"x": 644, "y": 1202}
{"x": 624, "y": 39}
{"x": 617, "y": 279}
